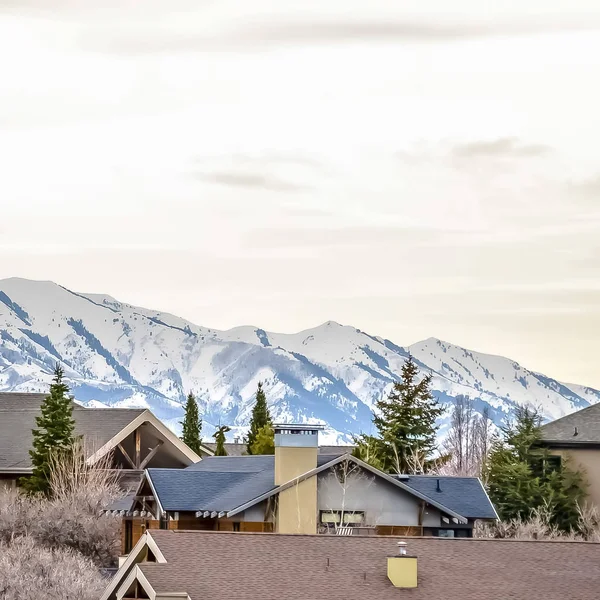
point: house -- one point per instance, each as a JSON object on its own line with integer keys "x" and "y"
{"x": 199, "y": 565}
{"x": 299, "y": 490}
{"x": 135, "y": 438}
{"x": 238, "y": 448}
{"x": 577, "y": 437}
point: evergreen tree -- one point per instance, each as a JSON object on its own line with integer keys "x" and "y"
{"x": 522, "y": 476}
{"x": 264, "y": 442}
{"x": 219, "y": 436}
{"x": 54, "y": 434}
{"x": 406, "y": 423}
{"x": 192, "y": 425}
{"x": 260, "y": 417}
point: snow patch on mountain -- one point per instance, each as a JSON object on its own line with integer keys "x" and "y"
{"x": 116, "y": 354}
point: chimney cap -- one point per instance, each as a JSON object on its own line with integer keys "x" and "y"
{"x": 299, "y": 426}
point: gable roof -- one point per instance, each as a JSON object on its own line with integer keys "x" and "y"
{"x": 186, "y": 490}
{"x": 103, "y": 429}
{"x": 232, "y": 484}
{"x": 465, "y": 495}
{"x": 586, "y": 422}
{"x": 311, "y": 567}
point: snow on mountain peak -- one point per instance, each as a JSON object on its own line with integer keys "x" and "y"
{"x": 120, "y": 355}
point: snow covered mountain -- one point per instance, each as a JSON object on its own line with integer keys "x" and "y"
{"x": 121, "y": 355}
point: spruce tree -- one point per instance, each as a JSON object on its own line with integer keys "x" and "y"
{"x": 406, "y": 423}
{"x": 192, "y": 425}
{"x": 219, "y": 436}
{"x": 264, "y": 442}
{"x": 260, "y": 417}
{"x": 522, "y": 476}
{"x": 54, "y": 434}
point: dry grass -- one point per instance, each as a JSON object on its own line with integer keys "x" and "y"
{"x": 538, "y": 527}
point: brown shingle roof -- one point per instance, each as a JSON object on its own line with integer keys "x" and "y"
{"x": 17, "y": 419}
{"x": 221, "y": 566}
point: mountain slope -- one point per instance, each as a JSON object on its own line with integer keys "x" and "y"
{"x": 122, "y": 355}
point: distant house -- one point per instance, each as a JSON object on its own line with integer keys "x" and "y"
{"x": 238, "y": 448}
{"x": 577, "y": 437}
{"x": 135, "y": 438}
{"x": 195, "y": 565}
{"x": 299, "y": 490}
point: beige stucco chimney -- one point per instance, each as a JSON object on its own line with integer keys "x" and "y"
{"x": 402, "y": 568}
{"x": 296, "y": 451}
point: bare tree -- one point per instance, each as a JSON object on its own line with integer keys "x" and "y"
{"x": 539, "y": 526}
{"x": 71, "y": 517}
{"x": 344, "y": 485}
{"x": 468, "y": 439}
{"x": 30, "y": 572}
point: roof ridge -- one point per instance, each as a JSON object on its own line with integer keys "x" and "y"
{"x": 374, "y": 536}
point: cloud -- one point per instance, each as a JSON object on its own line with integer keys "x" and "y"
{"x": 259, "y": 34}
{"x": 272, "y": 171}
{"x": 499, "y": 148}
{"x": 251, "y": 181}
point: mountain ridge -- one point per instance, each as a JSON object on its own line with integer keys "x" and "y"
{"x": 119, "y": 354}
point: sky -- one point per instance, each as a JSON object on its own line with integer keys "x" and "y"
{"x": 390, "y": 165}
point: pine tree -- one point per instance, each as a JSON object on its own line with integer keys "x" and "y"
{"x": 54, "y": 434}
{"x": 523, "y": 477}
{"x": 260, "y": 417}
{"x": 219, "y": 436}
{"x": 192, "y": 425}
{"x": 264, "y": 442}
{"x": 406, "y": 423}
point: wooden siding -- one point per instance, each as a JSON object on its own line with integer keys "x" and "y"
{"x": 399, "y": 530}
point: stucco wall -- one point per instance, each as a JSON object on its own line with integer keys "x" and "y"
{"x": 297, "y": 508}
{"x": 587, "y": 460}
{"x": 382, "y": 502}
{"x": 254, "y": 513}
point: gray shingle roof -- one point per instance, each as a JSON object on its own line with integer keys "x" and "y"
{"x": 220, "y": 566}
{"x": 17, "y": 419}
{"x": 188, "y": 490}
{"x": 587, "y": 422}
{"x": 464, "y": 495}
{"x": 240, "y": 449}
{"x": 231, "y": 449}
{"x": 227, "y": 482}
{"x": 245, "y": 464}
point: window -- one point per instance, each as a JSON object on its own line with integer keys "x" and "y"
{"x": 236, "y": 526}
{"x": 447, "y": 533}
{"x": 553, "y": 463}
{"x": 334, "y": 517}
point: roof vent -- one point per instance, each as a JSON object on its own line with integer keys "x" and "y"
{"x": 576, "y": 432}
{"x": 438, "y": 486}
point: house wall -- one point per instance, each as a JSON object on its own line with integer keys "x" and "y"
{"x": 588, "y": 460}
{"x": 384, "y": 504}
{"x": 255, "y": 513}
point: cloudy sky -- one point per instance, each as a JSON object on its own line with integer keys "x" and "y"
{"x": 382, "y": 163}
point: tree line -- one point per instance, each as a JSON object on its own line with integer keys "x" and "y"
{"x": 520, "y": 475}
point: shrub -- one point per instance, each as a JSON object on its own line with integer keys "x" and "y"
{"x": 30, "y": 572}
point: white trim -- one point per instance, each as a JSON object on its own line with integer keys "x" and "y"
{"x": 135, "y": 575}
{"x": 360, "y": 463}
{"x": 145, "y": 540}
{"x": 160, "y": 557}
{"x": 145, "y": 417}
{"x": 17, "y": 470}
{"x": 149, "y": 479}
{"x": 489, "y": 500}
